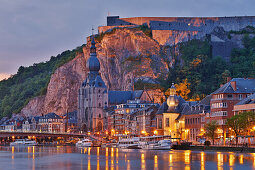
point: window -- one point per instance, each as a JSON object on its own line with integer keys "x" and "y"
{"x": 230, "y": 96}
{"x": 167, "y": 122}
{"x": 160, "y": 123}
{"x": 240, "y": 96}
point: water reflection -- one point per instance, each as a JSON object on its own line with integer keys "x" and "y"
{"x": 113, "y": 158}
{"x": 202, "y": 160}
{"x": 219, "y": 160}
{"x": 187, "y": 159}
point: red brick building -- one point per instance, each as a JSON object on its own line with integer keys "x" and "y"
{"x": 195, "y": 119}
{"x": 224, "y": 99}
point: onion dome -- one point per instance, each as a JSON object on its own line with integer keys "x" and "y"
{"x": 93, "y": 63}
{"x": 172, "y": 100}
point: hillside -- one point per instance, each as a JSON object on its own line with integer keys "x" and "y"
{"x": 124, "y": 53}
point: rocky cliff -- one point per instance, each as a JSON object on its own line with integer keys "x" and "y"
{"x": 124, "y": 54}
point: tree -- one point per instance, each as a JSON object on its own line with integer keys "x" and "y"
{"x": 182, "y": 89}
{"x": 238, "y": 123}
{"x": 210, "y": 129}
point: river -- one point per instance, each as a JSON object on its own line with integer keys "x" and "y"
{"x": 72, "y": 158}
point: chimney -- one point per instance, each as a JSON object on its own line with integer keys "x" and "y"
{"x": 233, "y": 84}
{"x": 229, "y": 79}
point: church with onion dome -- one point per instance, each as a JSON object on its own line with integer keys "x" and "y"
{"x": 94, "y": 98}
{"x": 169, "y": 118}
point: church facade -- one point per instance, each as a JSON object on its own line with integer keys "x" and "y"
{"x": 94, "y": 98}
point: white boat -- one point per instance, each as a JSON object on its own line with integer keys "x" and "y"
{"x": 84, "y": 143}
{"x": 129, "y": 143}
{"x": 152, "y": 143}
{"x": 23, "y": 142}
{"x": 162, "y": 144}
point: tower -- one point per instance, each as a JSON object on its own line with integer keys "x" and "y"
{"x": 93, "y": 96}
{"x": 172, "y": 100}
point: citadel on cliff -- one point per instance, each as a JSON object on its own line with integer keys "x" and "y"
{"x": 94, "y": 97}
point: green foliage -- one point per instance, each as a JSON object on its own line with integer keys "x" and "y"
{"x": 146, "y": 30}
{"x": 203, "y": 73}
{"x": 210, "y": 129}
{"x": 246, "y": 30}
{"x": 243, "y": 60}
{"x": 241, "y": 123}
{"x": 29, "y": 82}
{"x": 140, "y": 85}
{"x": 100, "y": 36}
{"x": 206, "y": 73}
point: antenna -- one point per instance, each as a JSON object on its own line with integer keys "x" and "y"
{"x": 93, "y": 30}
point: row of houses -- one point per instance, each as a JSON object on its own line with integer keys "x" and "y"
{"x": 184, "y": 119}
{"x": 50, "y": 122}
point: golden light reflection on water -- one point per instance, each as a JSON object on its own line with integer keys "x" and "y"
{"x": 112, "y": 158}
{"x": 202, "y": 160}
{"x": 231, "y": 159}
{"x": 89, "y": 151}
{"x": 155, "y": 161}
{"x": 128, "y": 165}
{"x": 13, "y": 149}
{"x": 98, "y": 158}
{"x": 142, "y": 161}
{"x": 117, "y": 158}
{"x": 253, "y": 154}
{"x": 241, "y": 159}
{"x": 33, "y": 163}
{"x": 170, "y": 160}
{"x": 187, "y": 159}
{"x": 219, "y": 160}
{"x": 89, "y": 166}
{"x": 106, "y": 152}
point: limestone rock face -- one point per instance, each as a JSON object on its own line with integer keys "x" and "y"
{"x": 34, "y": 107}
{"x": 125, "y": 55}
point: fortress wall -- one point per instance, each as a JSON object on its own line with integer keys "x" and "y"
{"x": 230, "y": 23}
{"x": 102, "y": 29}
{"x": 170, "y": 30}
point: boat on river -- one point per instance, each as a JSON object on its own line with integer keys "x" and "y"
{"x": 164, "y": 144}
{"x": 129, "y": 143}
{"x": 148, "y": 142}
{"x": 23, "y": 142}
{"x": 84, "y": 143}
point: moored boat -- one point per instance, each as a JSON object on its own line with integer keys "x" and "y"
{"x": 23, "y": 142}
{"x": 84, "y": 143}
{"x": 129, "y": 143}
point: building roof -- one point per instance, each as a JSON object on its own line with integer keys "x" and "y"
{"x": 249, "y": 100}
{"x": 243, "y": 85}
{"x": 51, "y": 116}
{"x": 119, "y": 97}
{"x": 164, "y": 107}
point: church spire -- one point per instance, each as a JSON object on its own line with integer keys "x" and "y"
{"x": 93, "y": 63}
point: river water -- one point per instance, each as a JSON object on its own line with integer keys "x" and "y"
{"x": 72, "y": 158}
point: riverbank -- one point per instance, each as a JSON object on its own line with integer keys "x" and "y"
{"x": 214, "y": 148}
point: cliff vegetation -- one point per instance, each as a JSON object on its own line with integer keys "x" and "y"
{"x": 29, "y": 82}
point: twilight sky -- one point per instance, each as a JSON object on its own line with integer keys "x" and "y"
{"x": 32, "y": 31}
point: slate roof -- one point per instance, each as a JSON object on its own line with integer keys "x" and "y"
{"x": 249, "y": 100}
{"x": 164, "y": 107}
{"x": 51, "y": 116}
{"x": 118, "y": 97}
{"x": 242, "y": 86}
